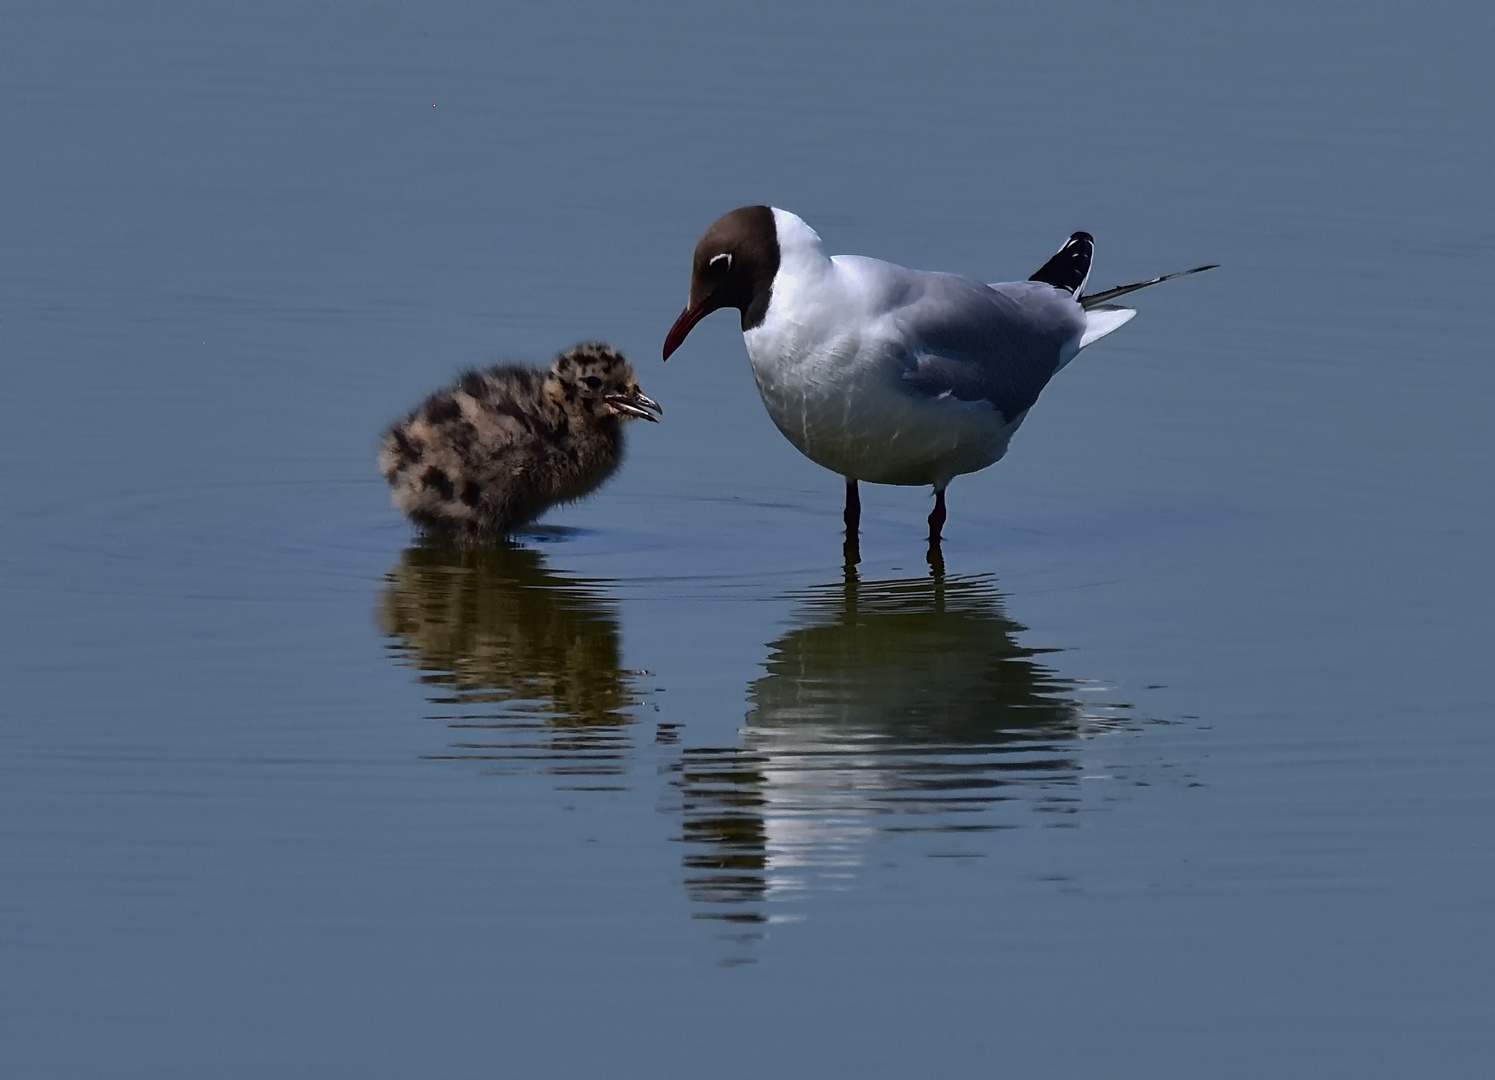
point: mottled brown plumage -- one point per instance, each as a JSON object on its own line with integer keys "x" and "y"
{"x": 493, "y": 452}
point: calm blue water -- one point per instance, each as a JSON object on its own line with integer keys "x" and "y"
{"x": 1182, "y": 769}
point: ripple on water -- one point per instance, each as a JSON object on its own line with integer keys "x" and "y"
{"x": 270, "y": 541}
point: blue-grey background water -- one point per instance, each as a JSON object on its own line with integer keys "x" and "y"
{"x": 1182, "y": 769}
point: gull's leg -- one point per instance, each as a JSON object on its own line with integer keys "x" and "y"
{"x": 936, "y": 559}
{"x": 853, "y": 519}
{"x": 937, "y": 516}
{"x": 936, "y": 556}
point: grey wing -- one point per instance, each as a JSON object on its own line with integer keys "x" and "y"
{"x": 998, "y": 343}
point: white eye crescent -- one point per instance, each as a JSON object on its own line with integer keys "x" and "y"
{"x": 723, "y": 258}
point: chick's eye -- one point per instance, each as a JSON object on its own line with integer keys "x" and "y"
{"x": 720, "y": 262}
{"x": 592, "y": 382}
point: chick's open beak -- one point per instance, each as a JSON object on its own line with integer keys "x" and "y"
{"x": 635, "y": 403}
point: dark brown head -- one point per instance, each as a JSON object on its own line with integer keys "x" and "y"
{"x": 599, "y": 380}
{"x": 734, "y": 266}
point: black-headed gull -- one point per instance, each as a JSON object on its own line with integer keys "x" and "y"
{"x": 886, "y": 374}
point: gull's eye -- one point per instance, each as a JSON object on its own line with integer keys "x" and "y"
{"x": 722, "y": 261}
{"x": 592, "y": 382}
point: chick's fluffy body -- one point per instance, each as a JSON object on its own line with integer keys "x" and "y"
{"x": 491, "y": 453}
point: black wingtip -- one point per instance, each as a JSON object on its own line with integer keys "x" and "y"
{"x": 1070, "y": 265}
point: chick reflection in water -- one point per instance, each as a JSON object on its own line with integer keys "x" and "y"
{"x": 888, "y": 706}
{"x": 522, "y": 661}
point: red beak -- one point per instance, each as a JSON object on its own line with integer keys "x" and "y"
{"x": 683, "y": 326}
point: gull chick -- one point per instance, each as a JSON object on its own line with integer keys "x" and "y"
{"x": 501, "y": 446}
{"x": 886, "y": 374}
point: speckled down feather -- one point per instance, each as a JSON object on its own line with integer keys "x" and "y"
{"x": 493, "y": 452}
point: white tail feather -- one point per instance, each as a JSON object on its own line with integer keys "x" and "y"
{"x": 1100, "y": 321}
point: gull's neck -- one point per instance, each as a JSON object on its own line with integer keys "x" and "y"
{"x": 806, "y": 276}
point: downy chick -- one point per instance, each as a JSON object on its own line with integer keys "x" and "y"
{"x": 493, "y": 452}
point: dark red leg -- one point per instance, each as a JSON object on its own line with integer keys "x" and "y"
{"x": 936, "y": 557}
{"x": 853, "y": 519}
{"x": 937, "y": 517}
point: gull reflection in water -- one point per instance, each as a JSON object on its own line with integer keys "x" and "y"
{"x": 887, "y": 707}
{"x": 524, "y": 663}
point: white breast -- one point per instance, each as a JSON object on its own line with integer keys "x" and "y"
{"x": 829, "y": 369}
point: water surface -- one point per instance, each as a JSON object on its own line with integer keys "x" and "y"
{"x": 1179, "y": 769}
